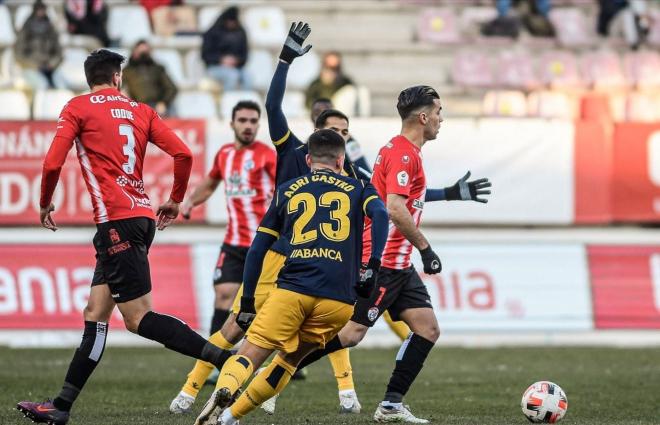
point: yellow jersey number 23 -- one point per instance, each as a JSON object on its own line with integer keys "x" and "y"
{"x": 338, "y": 230}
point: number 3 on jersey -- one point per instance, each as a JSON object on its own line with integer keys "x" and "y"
{"x": 336, "y": 231}
{"x": 129, "y": 148}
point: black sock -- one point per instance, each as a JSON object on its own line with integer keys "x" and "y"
{"x": 333, "y": 345}
{"x": 176, "y": 335}
{"x": 219, "y": 317}
{"x": 409, "y": 361}
{"x": 83, "y": 363}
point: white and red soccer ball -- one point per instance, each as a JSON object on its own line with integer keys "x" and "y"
{"x": 544, "y": 402}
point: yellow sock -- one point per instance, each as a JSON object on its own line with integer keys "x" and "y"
{"x": 399, "y": 328}
{"x": 341, "y": 365}
{"x": 234, "y": 373}
{"x": 202, "y": 370}
{"x": 265, "y": 385}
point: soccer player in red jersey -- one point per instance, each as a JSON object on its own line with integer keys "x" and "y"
{"x": 247, "y": 167}
{"x": 111, "y": 133}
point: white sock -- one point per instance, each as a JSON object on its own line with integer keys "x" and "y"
{"x": 346, "y": 392}
{"x": 389, "y": 405}
{"x": 186, "y": 395}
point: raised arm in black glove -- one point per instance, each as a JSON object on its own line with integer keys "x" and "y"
{"x": 464, "y": 190}
{"x": 293, "y": 46}
{"x": 246, "y": 314}
{"x": 368, "y": 277}
{"x": 431, "y": 261}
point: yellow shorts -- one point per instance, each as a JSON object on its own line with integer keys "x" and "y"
{"x": 273, "y": 263}
{"x": 287, "y": 318}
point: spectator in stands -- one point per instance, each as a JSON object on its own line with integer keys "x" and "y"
{"x": 329, "y": 81}
{"x": 147, "y": 81}
{"x": 38, "y": 50}
{"x": 150, "y": 5}
{"x": 632, "y": 15}
{"x": 225, "y": 51}
{"x": 87, "y": 17}
{"x": 536, "y": 20}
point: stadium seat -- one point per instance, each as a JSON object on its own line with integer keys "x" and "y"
{"x": 47, "y": 104}
{"x": 472, "y": 69}
{"x": 304, "y": 70}
{"x": 171, "y": 60}
{"x": 173, "y": 20}
{"x": 8, "y": 69}
{"x": 642, "y": 69}
{"x": 642, "y": 107}
{"x": 194, "y": 65}
{"x": 572, "y": 27}
{"x": 653, "y": 37}
{"x": 560, "y": 69}
{"x": 438, "y": 25}
{"x": 474, "y": 16}
{"x": 195, "y": 104}
{"x": 266, "y": 26}
{"x": 260, "y": 66}
{"x": 602, "y": 69}
{"x": 7, "y": 35}
{"x": 231, "y": 98}
{"x": 128, "y": 24}
{"x": 516, "y": 69}
{"x": 293, "y": 104}
{"x": 14, "y": 105}
{"x": 72, "y": 68}
{"x": 207, "y": 16}
{"x": 550, "y": 104}
{"x": 504, "y": 103}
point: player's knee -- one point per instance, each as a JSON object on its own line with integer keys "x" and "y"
{"x": 352, "y": 337}
{"x": 132, "y": 321}
{"x": 94, "y": 313}
{"x": 431, "y": 332}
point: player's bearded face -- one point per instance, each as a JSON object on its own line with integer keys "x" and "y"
{"x": 339, "y": 126}
{"x": 245, "y": 126}
{"x": 433, "y": 119}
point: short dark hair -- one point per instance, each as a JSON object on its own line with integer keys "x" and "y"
{"x": 321, "y": 100}
{"x": 101, "y": 65}
{"x": 412, "y": 98}
{"x": 325, "y": 146}
{"x": 328, "y": 113}
{"x": 245, "y": 104}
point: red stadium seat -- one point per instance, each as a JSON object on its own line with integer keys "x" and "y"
{"x": 642, "y": 69}
{"x": 602, "y": 69}
{"x": 516, "y": 69}
{"x": 572, "y": 27}
{"x": 438, "y": 25}
{"x": 472, "y": 69}
{"x": 559, "y": 69}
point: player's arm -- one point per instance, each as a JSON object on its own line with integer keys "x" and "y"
{"x": 163, "y": 137}
{"x": 374, "y": 208}
{"x": 68, "y": 128}
{"x": 267, "y": 234}
{"x": 462, "y": 190}
{"x": 200, "y": 194}
{"x": 277, "y": 124}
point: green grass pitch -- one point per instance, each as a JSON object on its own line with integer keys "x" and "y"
{"x": 457, "y": 386}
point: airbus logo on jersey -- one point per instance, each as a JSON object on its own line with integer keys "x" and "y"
{"x": 402, "y": 178}
{"x": 100, "y": 98}
{"x": 237, "y": 186}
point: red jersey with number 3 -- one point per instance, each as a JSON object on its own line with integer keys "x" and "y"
{"x": 249, "y": 176}
{"x": 111, "y": 133}
{"x": 398, "y": 170}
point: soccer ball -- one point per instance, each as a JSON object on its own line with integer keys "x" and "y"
{"x": 544, "y": 403}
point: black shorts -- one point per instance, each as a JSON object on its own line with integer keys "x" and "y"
{"x": 121, "y": 257}
{"x": 396, "y": 291}
{"x": 229, "y": 267}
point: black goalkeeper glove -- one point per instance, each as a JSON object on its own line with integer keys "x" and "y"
{"x": 368, "y": 277}
{"x": 246, "y": 314}
{"x": 293, "y": 46}
{"x": 464, "y": 190}
{"x": 431, "y": 261}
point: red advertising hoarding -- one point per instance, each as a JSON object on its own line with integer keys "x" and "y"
{"x": 23, "y": 146}
{"x": 47, "y": 286}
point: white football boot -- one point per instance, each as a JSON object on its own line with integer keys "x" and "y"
{"x": 182, "y": 403}
{"x": 213, "y": 408}
{"x": 226, "y": 418}
{"x": 402, "y": 414}
{"x": 348, "y": 402}
{"x": 268, "y": 406}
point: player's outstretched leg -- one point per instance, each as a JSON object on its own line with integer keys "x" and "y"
{"x": 409, "y": 362}
{"x": 84, "y": 361}
{"x": 184, "y": 401}
{"x": 399, "y": 327}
